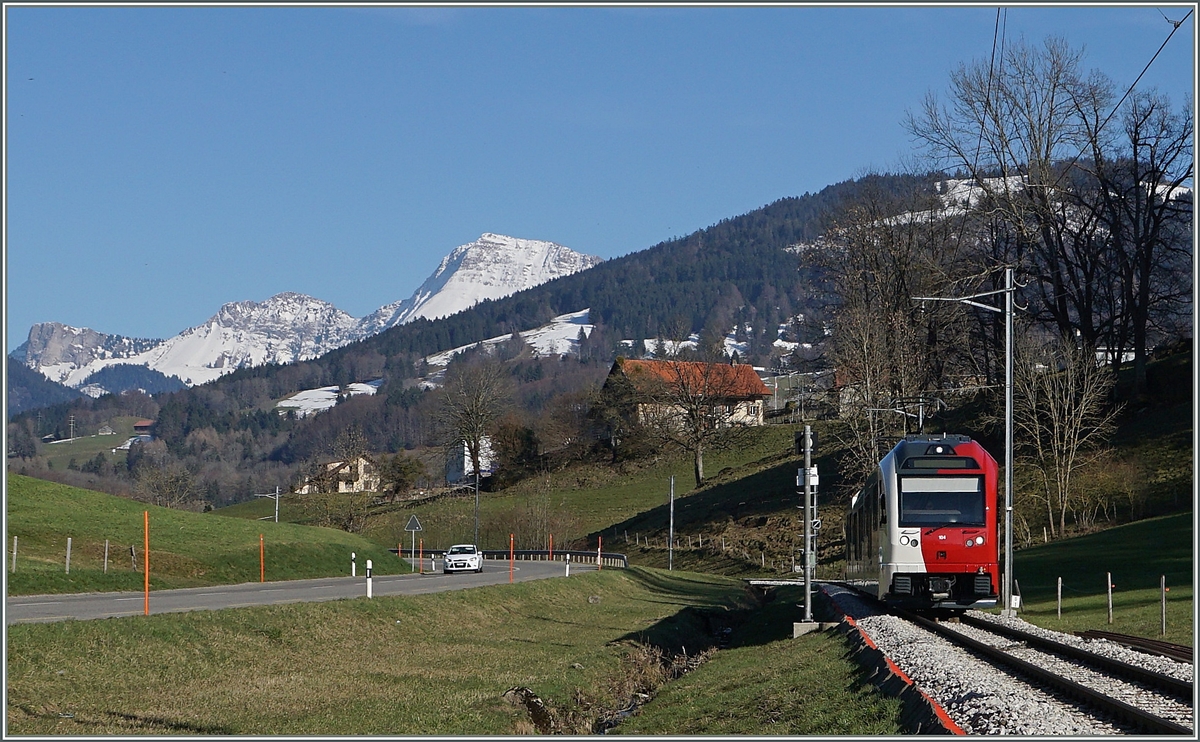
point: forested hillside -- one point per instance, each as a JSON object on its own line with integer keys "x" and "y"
{"x": 230, "y": 441}
{"x": 29, "y": 390}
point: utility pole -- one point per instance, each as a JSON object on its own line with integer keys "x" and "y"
{"x": 671, "y": 530}
{"x": 1007, "y": 311}
{"x": 276, "y": 498}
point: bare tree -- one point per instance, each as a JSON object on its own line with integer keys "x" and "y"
{"x": 1062, "y": 418}
{"x": 1146, "y": 211}
{"x": 886, "y": 346}
{"x": 477, "y": 394}
{"x": 1091, "y": 202}
{"x": 696, "y": 406}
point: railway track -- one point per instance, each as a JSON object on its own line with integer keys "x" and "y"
{"x": 1149, "y": 701}
{"x": 993, "y": 677}
{"x": 1151, "y": 646}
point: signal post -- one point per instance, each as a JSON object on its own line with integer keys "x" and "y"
{"x": 807, "y": 478}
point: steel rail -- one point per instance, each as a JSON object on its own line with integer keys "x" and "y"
{"x": 1153, "y": 646}
{"x": 1179, "y": 688}
{"x": 1139, "y": 718}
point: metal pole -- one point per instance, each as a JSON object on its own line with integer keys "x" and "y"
{"x": 1008, "y": 441}
{"x": 476, "y": 542}
{"x": 671, "y": 531}
{"x": 808, "y": 507}
{"x": 276, "y": 503}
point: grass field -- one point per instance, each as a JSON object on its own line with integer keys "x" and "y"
{"x": 84, "y": 448}
{"x": 768, "y": 683}
{"x": 576, "y": 503}
{"x": 1136, "y": 554}
{"x": 186, "y": 549}
{"x": 436, "y": 664}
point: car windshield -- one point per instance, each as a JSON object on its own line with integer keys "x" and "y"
{"x": 461, "y": 550}
{"x": 931, "y": 501}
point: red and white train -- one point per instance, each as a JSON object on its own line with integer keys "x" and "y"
{"x": 922, "y": 532}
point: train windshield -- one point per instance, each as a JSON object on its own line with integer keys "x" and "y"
{"x": 936, "y": 501}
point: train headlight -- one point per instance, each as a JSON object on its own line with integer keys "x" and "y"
{"x": 970, "y": 542}
{"x": 979, "y": 540}
{"x": 904, "y": 540}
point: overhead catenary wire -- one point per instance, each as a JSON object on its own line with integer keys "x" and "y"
{"x": 1128, "y": 92}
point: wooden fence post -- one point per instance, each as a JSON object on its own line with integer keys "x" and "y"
{"x": 1162, "y": 591}
{"x": 1108, "y": 586}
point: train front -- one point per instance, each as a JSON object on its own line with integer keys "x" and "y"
{"x": 940, "y": 550}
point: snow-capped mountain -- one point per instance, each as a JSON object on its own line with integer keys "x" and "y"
{"x": 491, "y": 267}
{"x": 293, "y": 327}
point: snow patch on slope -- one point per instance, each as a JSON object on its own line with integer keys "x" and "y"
{"x": 312, "y": 401}
{"x": 291, "y": 327}
{"x": 559, "y": 336}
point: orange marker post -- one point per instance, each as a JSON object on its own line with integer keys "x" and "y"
{"x": 511, "y": 552}
{"x": 146, "y": 557}
{"x": 262, "y": 560}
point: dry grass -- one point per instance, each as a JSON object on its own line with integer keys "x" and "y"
{"x": 433, "y": 664}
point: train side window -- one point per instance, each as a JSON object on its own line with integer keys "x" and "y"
{"x": 882, "y": 505}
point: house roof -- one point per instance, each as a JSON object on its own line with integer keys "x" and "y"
{"x": 143, "y": 424}
{"x": 723, "y": 380}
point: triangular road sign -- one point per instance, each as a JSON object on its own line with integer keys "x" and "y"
{"x": 413, "y": 524}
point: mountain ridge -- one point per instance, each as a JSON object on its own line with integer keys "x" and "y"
{"x": 290, "y": 326}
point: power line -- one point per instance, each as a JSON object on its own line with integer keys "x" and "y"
{"x": 1113, "y": 112}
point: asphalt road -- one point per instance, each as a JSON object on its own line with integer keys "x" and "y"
{"x": 87, "y": 606}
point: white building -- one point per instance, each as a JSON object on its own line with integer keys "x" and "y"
{"x": 459, "y": 469}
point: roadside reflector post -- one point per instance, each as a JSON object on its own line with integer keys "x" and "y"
{"x": 1162, "y": 590}
{"x": 421, "y": 558}
{"x": 568, "y": 560}
{"x": 353, "y": 565}
{"x": 599, "y": 547}
{"x": 1108, "y": 586}
{"x": 146, "y": 559}
{"x": 511, "y": 547}
{"x": 369, "y": 578}
{"x": 14, "y": 561}
{"x": 105, "y": 556}
{"x": 1060, "y": 597}
{"x": 551, "y": 547}
{"x": 262, "y": 560}
{"x": 68, "y": 555}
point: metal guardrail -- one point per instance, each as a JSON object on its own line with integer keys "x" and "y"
{"x": 607, "y": 559}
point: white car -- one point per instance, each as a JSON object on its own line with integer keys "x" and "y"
{"x": 463, "y": 558}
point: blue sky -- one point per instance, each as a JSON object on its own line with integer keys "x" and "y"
{"x": 161, "y": 161}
